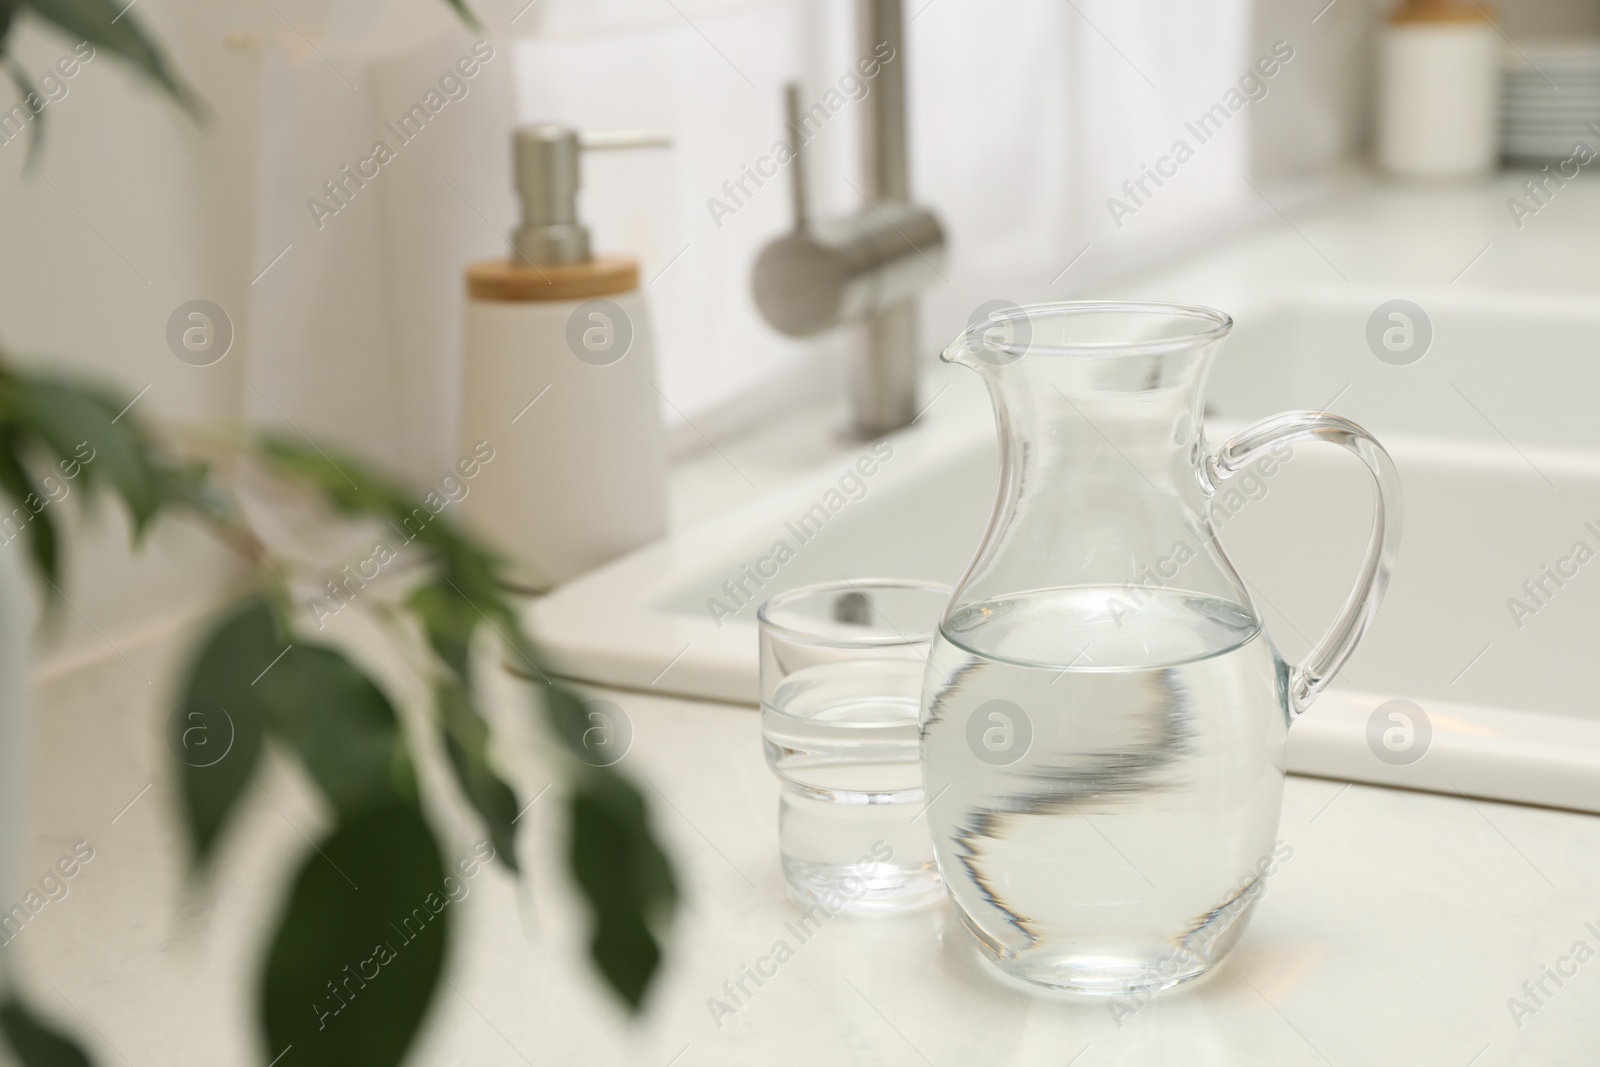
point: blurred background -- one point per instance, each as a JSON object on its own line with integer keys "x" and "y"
{"x": 132, "y": 209}
{"x": 1031, "y": 124}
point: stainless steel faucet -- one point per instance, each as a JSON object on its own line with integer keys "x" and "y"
{"x": 867, "y": 267}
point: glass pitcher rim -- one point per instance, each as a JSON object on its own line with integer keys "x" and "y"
{"x": 973, "y": 336}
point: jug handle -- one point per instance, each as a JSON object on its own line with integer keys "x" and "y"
{"x": 1329, "y": 654}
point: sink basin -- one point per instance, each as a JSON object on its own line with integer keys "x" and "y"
{"x": 1499, "y": 453}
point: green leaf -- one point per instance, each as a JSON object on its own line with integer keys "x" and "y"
{"x": 341, "y": 726}
{"x": 466, "y": 14}
{"x": 40, "y": 526}
{"x": 472, "y": 574}
{"x": 92, "y": 436}
{"x": 217, "y": 729}
{"x": 189, "y": 485}
{"x": 35, "y": 1044}
{"x": 356, "y": 489}
{"x": 450, "y": 622}
{"x": 621, "y": 870}
{"x": 19, "y": 78}
{"x": 624, "y": 876}
{"x": 81, "y": 426}
{"x": 347, "y": 482}
{"x": 360, "y": 948}
{"x": 569, "y": 716}
{"x": 466, "y": 738}
{"x": 112, "y": 27}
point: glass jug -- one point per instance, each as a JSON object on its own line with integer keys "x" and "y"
{"x": 1104, "y": 717}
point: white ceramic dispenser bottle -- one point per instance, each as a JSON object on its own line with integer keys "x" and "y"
{"x": 1439, "y": 90}
{"x": 559, "y": 405}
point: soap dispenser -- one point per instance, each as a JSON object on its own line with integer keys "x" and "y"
{"x": 559, "y": 408}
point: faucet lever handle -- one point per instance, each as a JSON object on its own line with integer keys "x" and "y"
{"x": 797, "y": 165}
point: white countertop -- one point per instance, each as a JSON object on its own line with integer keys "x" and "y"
{"x": 1395, "y": 934}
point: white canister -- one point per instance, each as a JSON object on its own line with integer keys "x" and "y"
{"x": 1439, "y": 71}
{"x": 559, "y": 391}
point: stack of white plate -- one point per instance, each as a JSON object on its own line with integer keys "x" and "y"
{"x": 1550, "y": 99}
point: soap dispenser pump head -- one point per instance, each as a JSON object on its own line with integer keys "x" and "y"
{"x": 546, "y": 162}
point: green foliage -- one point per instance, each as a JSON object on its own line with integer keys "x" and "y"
{"x": 39, "y": 526}
{"x": 77, "y": 424}
{"x": 252, "y": 679}
{"x": 221, "y": 705}
{"x": 357, "y": 490}
{"x": 369, "y": 895}
{"x": 342, "y": 728}
{"x": 466, "y": 739}
{"x": 449, "y": 621}
{"x": 625, "y": 877}
{"x": 89, "y": 438}
{"x": 19, "y": 81}
{"x": 34, "y": 1043}
{"x": 465, "y": 12}
{"x": 360, "y": 948}
{"x": 623, "y": 874}
{"x": 348, "y": 485}
{"x": 107, "y": 25}
{"x": 568, "y": 717}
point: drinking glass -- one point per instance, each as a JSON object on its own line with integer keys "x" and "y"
{"x": 841, "y": 683}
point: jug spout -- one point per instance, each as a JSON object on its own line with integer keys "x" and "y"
{"x": 1099, "y": 412}
{"x": 963, "y": 352}
{"x": 998, "y": 333}
{"x": 1102, "y": 336}
{"x": 1073, "y": 379}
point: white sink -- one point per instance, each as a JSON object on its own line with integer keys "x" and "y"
{"x": 1498, "y": 448}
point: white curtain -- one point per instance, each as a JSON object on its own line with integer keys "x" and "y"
{"x": 354, "y": 317}
{"x": 1148, "y": 72}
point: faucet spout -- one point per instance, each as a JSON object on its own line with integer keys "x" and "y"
{"x": 888, "y": 165}
{"x": 866, "y": 268}
{"x": 883, "y": 383}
